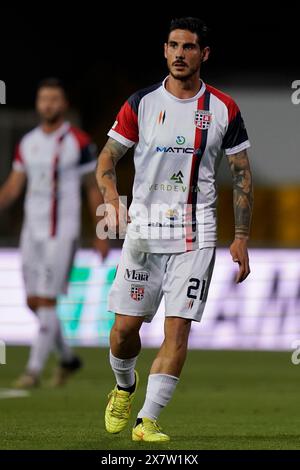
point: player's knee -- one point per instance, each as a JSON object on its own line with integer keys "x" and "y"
{"x": 123, "y": 331}
{"x": 177, "y": 333}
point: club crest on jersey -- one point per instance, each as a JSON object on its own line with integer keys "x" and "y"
{"x": 137, "y": 292}
{"x": 203, "y": 119}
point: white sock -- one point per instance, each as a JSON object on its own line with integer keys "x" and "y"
{"x": 64, "y": 351}
{"x": 123, "y": 370}
{"x": 45, "y": 340}
{"x": 160, "y": 390}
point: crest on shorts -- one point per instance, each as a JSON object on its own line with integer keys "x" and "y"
{"x": 203, "y": 119}
{"x": 137, "y": 292}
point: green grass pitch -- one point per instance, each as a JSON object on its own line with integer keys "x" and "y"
{"x": 225, "y": 400}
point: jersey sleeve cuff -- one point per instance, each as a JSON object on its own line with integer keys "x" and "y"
{"x": 238, "y": 148}
{"x": 120, "y": 138}
{"x": 17, "y": 166}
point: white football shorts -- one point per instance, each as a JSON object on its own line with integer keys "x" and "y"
{"x": 142, "y": 279}
{"x": 46, "y": 265}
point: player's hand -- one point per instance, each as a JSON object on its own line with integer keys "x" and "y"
{"x": 239, "y": 253}
{"x": 101, "y": 246}
{"x": 116, "y": 218}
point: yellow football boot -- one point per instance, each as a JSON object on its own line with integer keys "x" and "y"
{"x": 118, "y": 409}
{"x": 149, "y": 431}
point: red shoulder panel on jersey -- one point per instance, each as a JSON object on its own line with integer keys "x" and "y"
{"x": 231, "y": 105}
{"x": 127, "y": 123}
{"x": 18, "y": 156}
{"x": 82, "y": 137}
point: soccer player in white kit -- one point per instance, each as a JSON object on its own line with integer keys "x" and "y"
{"x": 180, "y": 128}
{"x": 52, "y": 159}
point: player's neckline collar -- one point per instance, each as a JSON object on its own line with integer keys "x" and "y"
{"x": 183, "y": 100}
{"x": 63, "y": 129}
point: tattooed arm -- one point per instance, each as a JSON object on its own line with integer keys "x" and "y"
{"x": 116, "y": 216}
{"x": 242, "y": 203}
{"x": 106, "y": 173}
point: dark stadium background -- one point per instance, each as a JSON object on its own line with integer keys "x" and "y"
{"x": 102, "y": 57}
{"x": 104, "y": 53}
{"x": 226, "y": 399}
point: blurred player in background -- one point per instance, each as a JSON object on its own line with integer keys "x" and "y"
{"x": 181, "y": 129}
{"x": 52, "y": 159}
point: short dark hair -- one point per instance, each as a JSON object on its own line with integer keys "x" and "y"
{"x": 52, "y": 82}
{"x": 194, "y": 25}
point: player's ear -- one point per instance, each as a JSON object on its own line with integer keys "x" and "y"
{"x": 165, "y": 49}
{"x": 205, "y": 54}
{"x": 66, "y": 102}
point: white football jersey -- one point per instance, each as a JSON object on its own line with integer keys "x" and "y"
{"x": 179, "y": 144}
{"x": 53, "y": 164}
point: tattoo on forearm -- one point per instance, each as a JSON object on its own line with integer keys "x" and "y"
{"x": 110, "y": 173}
{"x": 242, "y": 192}
{"x": 115, "y": 151}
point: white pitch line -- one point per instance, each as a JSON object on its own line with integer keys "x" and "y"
{"x": 12, "y": 393}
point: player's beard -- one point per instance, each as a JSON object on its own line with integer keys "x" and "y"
{"x": 187, "y": 76}
{"x": 53, "y": 119}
